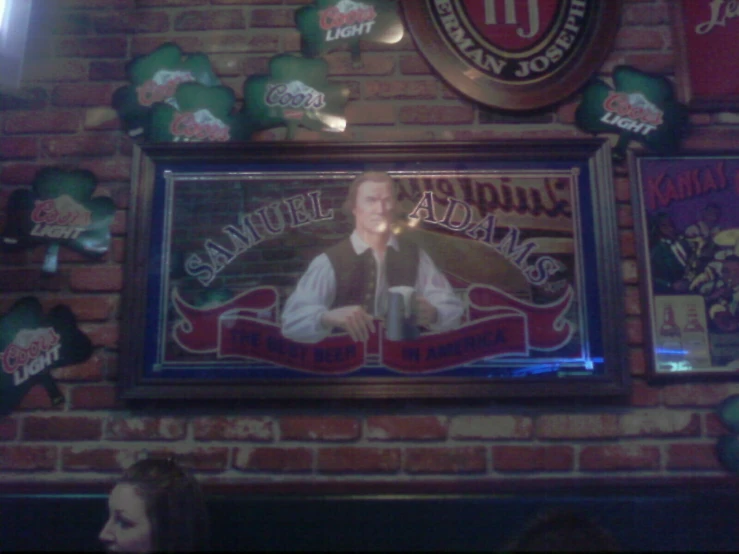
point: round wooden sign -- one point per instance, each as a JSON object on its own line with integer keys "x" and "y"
{"x": 514, "y": 54}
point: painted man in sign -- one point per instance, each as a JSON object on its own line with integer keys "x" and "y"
{"x": 346, "y": 287}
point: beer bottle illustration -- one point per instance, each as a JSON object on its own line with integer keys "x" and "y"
{"x": 669, "y": 342}
{"x": 695, "y": 339}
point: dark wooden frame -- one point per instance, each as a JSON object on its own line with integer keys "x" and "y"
{"x": 685, "y": 74}
{"x": 697, "y": 163}
{"x": 600, "y": 292}
{"x": 550, "y": 88}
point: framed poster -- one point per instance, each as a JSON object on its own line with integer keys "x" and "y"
{"x": 421, "y": 270}
{"x": 705, "y": 39}
{"x": 687, "y": 218}
{"x": 514, "y": 54}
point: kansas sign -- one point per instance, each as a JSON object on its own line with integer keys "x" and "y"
{"x": 514, "y": 54}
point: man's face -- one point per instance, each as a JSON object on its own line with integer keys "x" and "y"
{"x": 374, "y": 207}
{"x": 730, "y": 272}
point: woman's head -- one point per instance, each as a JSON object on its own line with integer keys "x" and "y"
{"x": 156, "y": 506}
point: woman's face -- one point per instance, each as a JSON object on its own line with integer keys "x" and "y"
{"x": 128, "y": 528}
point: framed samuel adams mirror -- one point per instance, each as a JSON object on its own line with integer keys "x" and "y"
{"x": 421, "y": 270}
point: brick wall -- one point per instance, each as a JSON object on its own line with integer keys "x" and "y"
{"x": 78, "y": 56}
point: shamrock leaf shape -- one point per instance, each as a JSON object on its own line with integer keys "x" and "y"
{"x": 204, "y": 114}
{"x": 329, "y": 24}
{"x": 32, "y": 344}
{"x": 296, "y": 92}
{"x": 155, "y": 78}
{"x": 641, "y": 107}
{"x": 60, "y": 209}
{"x": 727, "y": 448}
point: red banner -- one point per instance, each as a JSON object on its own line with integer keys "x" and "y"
{"x": 500, "y": 325}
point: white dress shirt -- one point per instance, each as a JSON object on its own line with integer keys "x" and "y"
{"x": 316, "y": 291}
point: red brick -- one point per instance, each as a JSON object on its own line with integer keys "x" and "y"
{"x": 436, "y": 115}
{"x": 75, "y": 23}
{"x": 61, "y": 428}
{"x": 104, "y": 70}
{"x": 374, "y": 134}
{"x": 645, "y": 13}
{"x": 118, "y": 169}
{"x": 384, "y": 89}
{"x": 630, "y": 271}
{"x": 660, "y": 423}
{"x": 696, "y": 394}
{"x": 317, "y": 428}
{"x": 85, "y": 308}
{"x": 173, "y": 3}
{"x": 81, "y": 458}
{"x": 388, "y": 428}
{"x": 104, "y": 4}
{"x": 28, "y": 98}
{"x": 711, "y": 138}
{"x": 42, "y": 122}
{"x": 491, "y": 427}
{"x": 359, "y": 460}
{"x": 272, "y": 18}
{"x": 643, "y": 38}
{"x": 233, "y": 428}
{"x": 619, "y": 457}
{"x": 209, "y": 20}
{"x": 82, "y": 94}
{"x": 633, "y": 301}
{"x": 36, "y": 399}
{"x": 94, "y": 397}
{"x": 89, "y": 370}
{"x": 18, "y": 280}
{"x": 715, "y": 427}
{"x": 642, "y": 395}
{"x": 18, "y": 147}
{"x": 145, "y": 428}
{"x": 96, "y": 279}
{"x": 469, "y": 459}
{"x": 627, "y": 242}
{"x": 364, "y": 113}
{"x": 634, "y": 330}
{"x": 340, "y": 63}
{"x": 143, "y": 45}
{"x": 637, "y": 361}
{"x": 625, "y": 215}
{"x": 692, "y": 457}
{"x": 132, "y": 23}
{"x": 27, "y": 458}
{"x": 414, "y": 65}
{"x": 8, "y": 428}
{"x": 527, "y": 458}
{"x": 623, "y": 188}
{"x": 55, "y": 70}
{"x": 577, "y": 426}
{"x": 107, "y": 47}
{"x": 102, "y": 334}
{"x": 79, "y": 145}
{"x": 274, "y": 460}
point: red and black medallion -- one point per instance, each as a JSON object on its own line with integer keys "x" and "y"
{"x": 514, "y": 54}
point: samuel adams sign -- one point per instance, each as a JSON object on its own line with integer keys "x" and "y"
{"x": 514, "y": 54}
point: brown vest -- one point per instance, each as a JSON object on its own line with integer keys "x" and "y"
{"x": 356, "y": 275}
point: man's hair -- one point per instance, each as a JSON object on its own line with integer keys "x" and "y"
{"x": 174, "y": 504}
{"x": 351, "y": 197}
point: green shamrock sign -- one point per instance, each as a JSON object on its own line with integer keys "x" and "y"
{"x": 59, "y": 209}
{"x": 727, "y": 448}
{"x": 155, "y": 78}
{"x": 296, "y": 92}
{"x": 204, "y": 114}
{"x": 640, "y": 107}
{"x": 32, "y": 344}
{"x": 329, "y": 24}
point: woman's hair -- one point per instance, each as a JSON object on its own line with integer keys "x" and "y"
{"x": 174, "y": 504}
{"x": 561, "y": 530}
